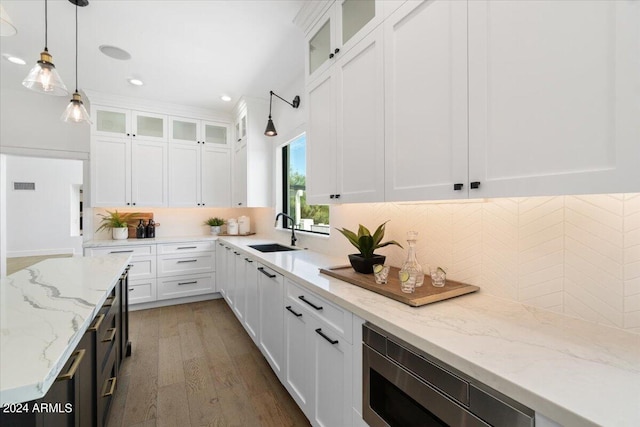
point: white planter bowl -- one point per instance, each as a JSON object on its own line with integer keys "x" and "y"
{"x": 120, "y": 233}
{"x": 215, "y": 230}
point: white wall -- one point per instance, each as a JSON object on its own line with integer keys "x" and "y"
{"x": 39, "y": 222}
{"x": 31, "y": 121}
{"x": 3, "y": 215}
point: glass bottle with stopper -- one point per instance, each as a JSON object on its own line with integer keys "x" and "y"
{"x": 411, "y": 265}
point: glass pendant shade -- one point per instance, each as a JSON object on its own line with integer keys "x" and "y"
{"x": 75, "y": 111}
{"x": 44, "y": 77}
{"x": 271, "y": 129}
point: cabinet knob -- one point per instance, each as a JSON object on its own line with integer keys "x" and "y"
{"x": 332, "y": 196}
{"x": 336, "y": 51}
{"x": 331, "y": 55}
{"x": 128, "y": 203}
{"x": 239, "y": 203}
{"x": 474, "y": 185}
{"x": 128, "y": 134}
{"x": 134, "y": 203}
{"x": 457, "y": 187}
{"x": 134, "y": 135}
{"x": 198, "y": 204}
{"x": 203, "y": 203}
{"x": 337, "y": 196}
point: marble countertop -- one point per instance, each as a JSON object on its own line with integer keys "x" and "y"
{"x": 575, "y": 372}
{"x": 134, "y": 242}
{"x": 44, "y": 310}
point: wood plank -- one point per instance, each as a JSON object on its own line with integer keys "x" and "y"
{"x": 142, "y": 400}
{"x": 191, "y": 344}
{"x": 170, "y": 366}
{"x": 425, "y": 294}
{"x": 168, "y": 322}
{"x": 237, "y": 407}
{"x": 173, "y": 406}
{"x": 271, "y": 414}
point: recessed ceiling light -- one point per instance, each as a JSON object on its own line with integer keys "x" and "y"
{"x": 14, "y": 59}
{"x": 135, "y": 82}
{"x": 225, "y": 98}
{"x": 115, "y": 52}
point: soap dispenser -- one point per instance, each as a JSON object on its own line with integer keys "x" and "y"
{"x": 140, "y": 230}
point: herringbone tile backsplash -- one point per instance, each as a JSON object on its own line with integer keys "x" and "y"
{"x": 578, "y": 255}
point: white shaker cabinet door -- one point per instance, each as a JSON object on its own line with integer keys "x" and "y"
{"x": 360, "y": 121}
{"x": 149, "y": 174}
{"x": 110, "y": 171}
{"x": 184, "y": 177}
{"x": 321, "y": 141}
{"x": 215, "y": 178}
{"x": 426, "y": 101}
{"x": 252, "y": 314}
{"x": 553, "y": 97}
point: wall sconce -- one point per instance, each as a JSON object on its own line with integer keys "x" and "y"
{"x": 271, "y": 129}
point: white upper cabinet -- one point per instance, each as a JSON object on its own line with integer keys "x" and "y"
{"x": 185, "y": 130}
{"x": 128, "y": 173}
{"x": 345, "y": 150}
{"x": 554, "y": 97}
{"x": 341, "y": 27}
{"x": 120, "y": 122}
{"x": 199, "y": 164}
{"x": 426, "y": 101}
{"x": 252, "y": 156}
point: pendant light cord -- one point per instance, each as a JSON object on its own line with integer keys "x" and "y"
{"x": 45, "y": 26}
{"x": 76, "y": 47}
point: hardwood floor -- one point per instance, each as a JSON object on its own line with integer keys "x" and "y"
{"x": 20, "y": 263}
{"x": 194, "y": 365}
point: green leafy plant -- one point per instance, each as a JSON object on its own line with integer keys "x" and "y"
{"x": 115, "y": 220}
{"x": 214, "y": 222}
{"x": 365, "y": 242}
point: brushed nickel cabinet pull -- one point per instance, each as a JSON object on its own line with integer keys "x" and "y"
{"x": 74, "y": 366}
{"x": 112, "y": 389}
{"x": 112, "y": 335}
{"x": 187, "y": 283}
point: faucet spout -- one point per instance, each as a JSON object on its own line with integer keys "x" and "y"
{"x": 293, "y": 226}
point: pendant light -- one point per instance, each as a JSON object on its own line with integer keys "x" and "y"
{"x": 271, "y": 129}
{"x": 75, "y": 111}
{"x": 44, "y": 77}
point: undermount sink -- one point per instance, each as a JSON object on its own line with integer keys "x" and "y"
{"x": 272, "y": 247}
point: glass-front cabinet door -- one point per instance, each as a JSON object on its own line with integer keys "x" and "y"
{"x": 355, "y": 14}
{"x": 215, "y": 133}
{"x": 109, "y": 121}
{"x": 183, "y": 130}
{"x": 149, "y": 126}
{"x": 319, "y": 45}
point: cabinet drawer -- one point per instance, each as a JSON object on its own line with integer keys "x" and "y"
{"x": 105, "y": 388}
{"x": 106, "y": 338}
{"x": 173, "y": 265}
{"x": 134, "y": 250}
{"x": 330, "y": 313}
{"x": 188, "y": 247}
{"x": 143, "y": 267}
{"x": 142, "y": 291}
{"x": 185, "y": 286}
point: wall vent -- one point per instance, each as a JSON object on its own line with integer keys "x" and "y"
{"x": 24, "y": 186}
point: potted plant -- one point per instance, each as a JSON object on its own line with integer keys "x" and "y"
{"x": 117, "y": 223}
{"x": 214, "y": 223}
{"x": 366, "y": 243}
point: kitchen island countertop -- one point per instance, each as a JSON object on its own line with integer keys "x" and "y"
{"x": 575, "y": 372}
{"x": 44, "y": 311}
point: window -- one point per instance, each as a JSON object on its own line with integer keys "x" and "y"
{"x": 312, "y": 218}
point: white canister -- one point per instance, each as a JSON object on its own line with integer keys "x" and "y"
{"x": 244, "y": 224}
{"x": 232, "y": 226}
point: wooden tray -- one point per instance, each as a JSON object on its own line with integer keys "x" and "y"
{"x": 424, "y": 294}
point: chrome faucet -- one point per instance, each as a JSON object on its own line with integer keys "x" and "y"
{"x": 293, "y": 226}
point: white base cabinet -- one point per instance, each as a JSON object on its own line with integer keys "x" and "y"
{"x": 309, "y": 342}
{"x": 167, "y": 271}
{"x": 271, "y": 336}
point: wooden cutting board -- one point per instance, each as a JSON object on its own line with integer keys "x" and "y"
{"x": 425, "y": 294}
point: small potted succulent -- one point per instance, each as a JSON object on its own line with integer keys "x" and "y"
{"x": 366, "y": 244}
{"x": 214, "y": 224}
{"x": 117, "y": 223}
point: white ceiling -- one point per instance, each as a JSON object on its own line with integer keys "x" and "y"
{"x": 186, "y": 52}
